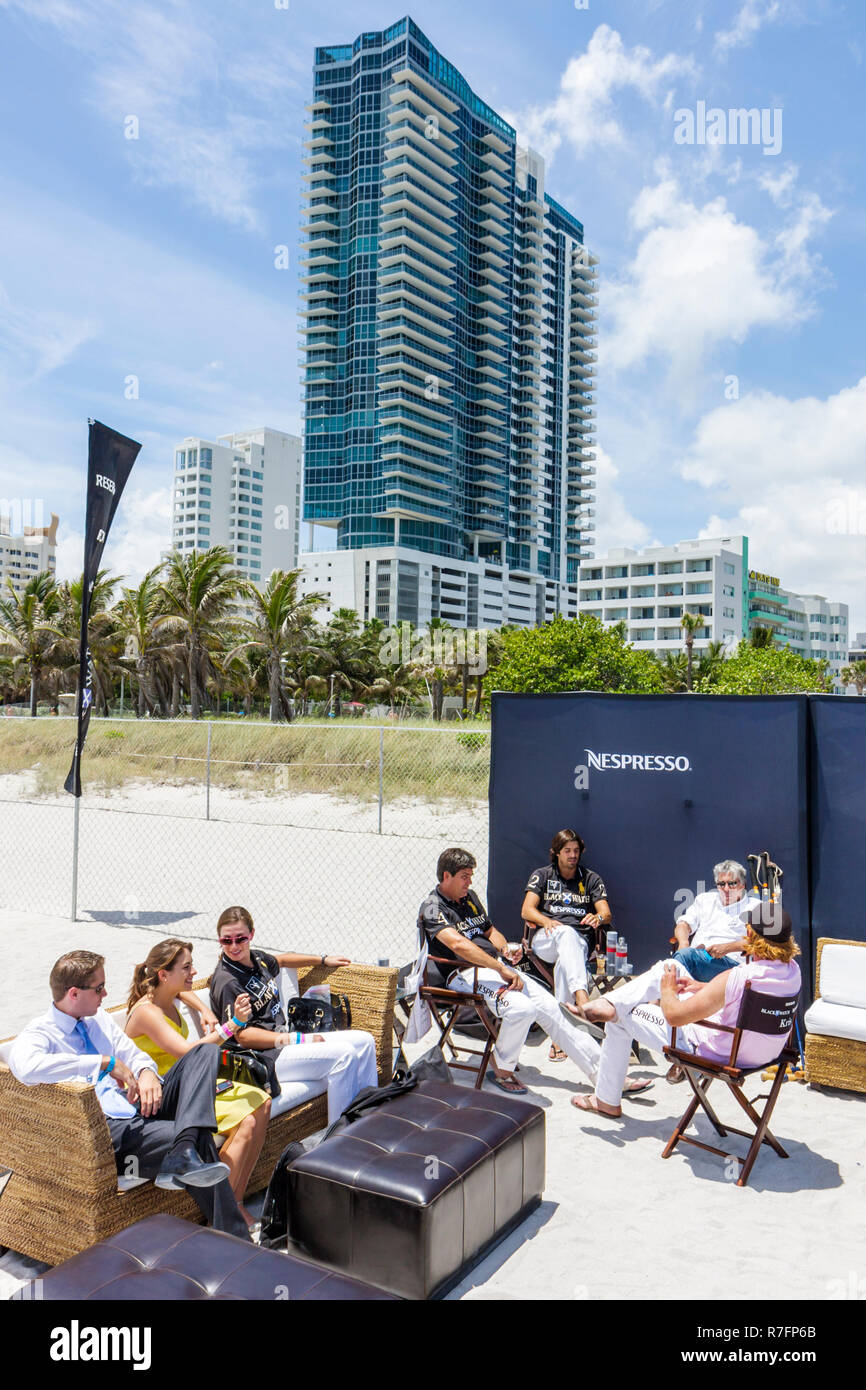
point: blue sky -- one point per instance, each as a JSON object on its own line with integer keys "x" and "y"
{"x": 732, "y": 357}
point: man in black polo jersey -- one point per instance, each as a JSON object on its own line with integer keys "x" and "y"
{"x": 456, "y": 928}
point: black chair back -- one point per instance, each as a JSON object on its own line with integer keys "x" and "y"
{"x": 772, "y": 1014}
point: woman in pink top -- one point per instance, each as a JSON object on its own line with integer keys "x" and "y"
{"x": 628, "y": 1013}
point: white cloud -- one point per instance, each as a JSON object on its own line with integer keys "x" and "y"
{"x": 789, "y": 473}
{"x": 617, "y": 526}
{"x": 584, "y": 111}
{"x": 751, "y": 17}
{"x": 700, "y": 277}
{"x": 140, "y": 533}
{"x": 780, "y": 186}
{"x": 35, "y": 342}
{"x": 201, "y": 122}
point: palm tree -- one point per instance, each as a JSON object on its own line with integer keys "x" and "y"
{"x": 395, "y": 683}
{"x": 690, "y": 622}
{"x": 30, "y": 631}
{"x": 104, "y": 638}
{"x": 345, "y": 659}
{"x": 855, "y": 675}
{"x": 673, "y": 672}
{"x": 709, "y": 662}
{"x": 197, "y": 598}
{"x": 280, "y": 624}
{"x": 145, "y": 644}
{"x": 761, "y": 637}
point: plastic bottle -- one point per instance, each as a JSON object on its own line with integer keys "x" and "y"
{"x": 610, "y": 960}
{"x": 621, "y": 956}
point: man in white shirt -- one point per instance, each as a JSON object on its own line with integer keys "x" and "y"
{"x": 159, "y": 1129}
{"x": 711, "y": 934}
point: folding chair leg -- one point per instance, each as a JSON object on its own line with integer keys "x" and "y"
{"x": 762, "y": 1132}
{"x": 445, "y": 1029}
{"x": 681, "y": 1128}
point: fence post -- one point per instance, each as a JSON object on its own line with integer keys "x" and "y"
{"x": 207, "y": 788}
{"x": 381, "y": 770}
{"x": 75, "y": 817}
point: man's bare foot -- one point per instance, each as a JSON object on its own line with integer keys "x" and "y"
{"x": 594, "y": 1106}
{"x": 633, "y": 1088}
{"x": 600, "y": 1011}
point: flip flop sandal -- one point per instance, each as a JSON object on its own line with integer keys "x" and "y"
{"x": 506, "y": 1084}
{"x": 556, "y": 1054}
{"x": 582, "y": 1103}
{"x": 636, "y": 1090}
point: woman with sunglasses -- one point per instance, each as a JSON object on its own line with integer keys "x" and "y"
{"x": 158, "y": 1028}
{"x": 345, "y": 1060}
{"x": 563, "y": 906}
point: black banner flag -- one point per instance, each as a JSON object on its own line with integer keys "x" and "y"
{"x": 110, "y": 457}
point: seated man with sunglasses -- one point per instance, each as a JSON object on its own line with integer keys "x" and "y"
{"x": 711, "y": 934}
{"x": 159, "y": 1129}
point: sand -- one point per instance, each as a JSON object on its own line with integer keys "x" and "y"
{"x": 617, "y": 1221}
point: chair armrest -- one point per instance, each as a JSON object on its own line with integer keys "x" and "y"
{"x": 56, "y": 1134}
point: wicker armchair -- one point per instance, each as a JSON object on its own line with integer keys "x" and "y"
{"x": 838, "y": 1057}
{"x": 63, "y": 1194}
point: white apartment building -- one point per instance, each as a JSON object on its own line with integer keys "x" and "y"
{"x": 396, "y": 584}
{"x": 27, "y": 554}
{"x": 809, "y": 624}
{"x": 650, "y": 590}
{"x": 242, "y": 491}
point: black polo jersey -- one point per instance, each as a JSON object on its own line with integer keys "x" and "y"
{"x": 261, "y": 983}
{"x": 467, "y": 916}
{"x": 567, "y": 900}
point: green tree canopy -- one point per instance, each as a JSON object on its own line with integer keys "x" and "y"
{"x": 767, "y": 671}
{"x": 572, "y": 654}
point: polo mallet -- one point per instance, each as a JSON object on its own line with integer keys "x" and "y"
{"x": 774, "y": 880}
{"x": 754, "y": 863}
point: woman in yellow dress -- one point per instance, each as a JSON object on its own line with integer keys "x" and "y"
{"x": 155, "y": 1025}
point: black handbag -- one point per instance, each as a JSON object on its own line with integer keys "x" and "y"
{"x": 317, "y": 1016}
{"x": 242, "y": 1066}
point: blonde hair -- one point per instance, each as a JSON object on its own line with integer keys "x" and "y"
{"x": 145, "y": 977}
{"x": 759, "y": 948}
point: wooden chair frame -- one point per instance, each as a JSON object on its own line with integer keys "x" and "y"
{"x": 701, "y": 1073}
{"x": 442, "y": 999}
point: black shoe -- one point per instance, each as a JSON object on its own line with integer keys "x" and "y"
{"x": 184, "y": 1167}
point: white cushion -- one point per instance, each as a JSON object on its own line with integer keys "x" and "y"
{"x": 836, "y": 1020}
{"x": 843, "y": 975}
{"x": 294, "y": 1092}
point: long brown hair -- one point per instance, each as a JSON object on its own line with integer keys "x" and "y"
{"x": 560, "y": 840}
{"x": 234, "y": 914}
{"x": 145, "y": 977}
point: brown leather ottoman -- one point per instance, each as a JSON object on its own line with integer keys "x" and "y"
{"x": 165, "y": 1258}
{"x": 415, "y": 1194}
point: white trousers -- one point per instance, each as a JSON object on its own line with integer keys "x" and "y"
{"x": 566, "y": 950}
{"x": 347, "y": 1059}
{"x": 519, "y": 1009}
{"x": 636, "y": 1018}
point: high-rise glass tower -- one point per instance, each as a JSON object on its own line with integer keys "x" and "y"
{"x": 450, "y": 325}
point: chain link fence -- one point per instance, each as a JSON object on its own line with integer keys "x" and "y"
{"x": 328, "y": 833}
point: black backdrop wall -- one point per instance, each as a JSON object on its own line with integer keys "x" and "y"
{"x": 837, "y": 806}
{"x": 661, "y": 788}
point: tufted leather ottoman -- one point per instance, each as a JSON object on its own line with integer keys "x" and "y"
{"x": 412, "y": 1196}
{"x": 165, "y": 1258}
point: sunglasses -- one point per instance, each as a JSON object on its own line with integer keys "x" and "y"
{"x": 98, "y": 989}
{"x": 233, "y": 940}
{"x": 727, "y": 883}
